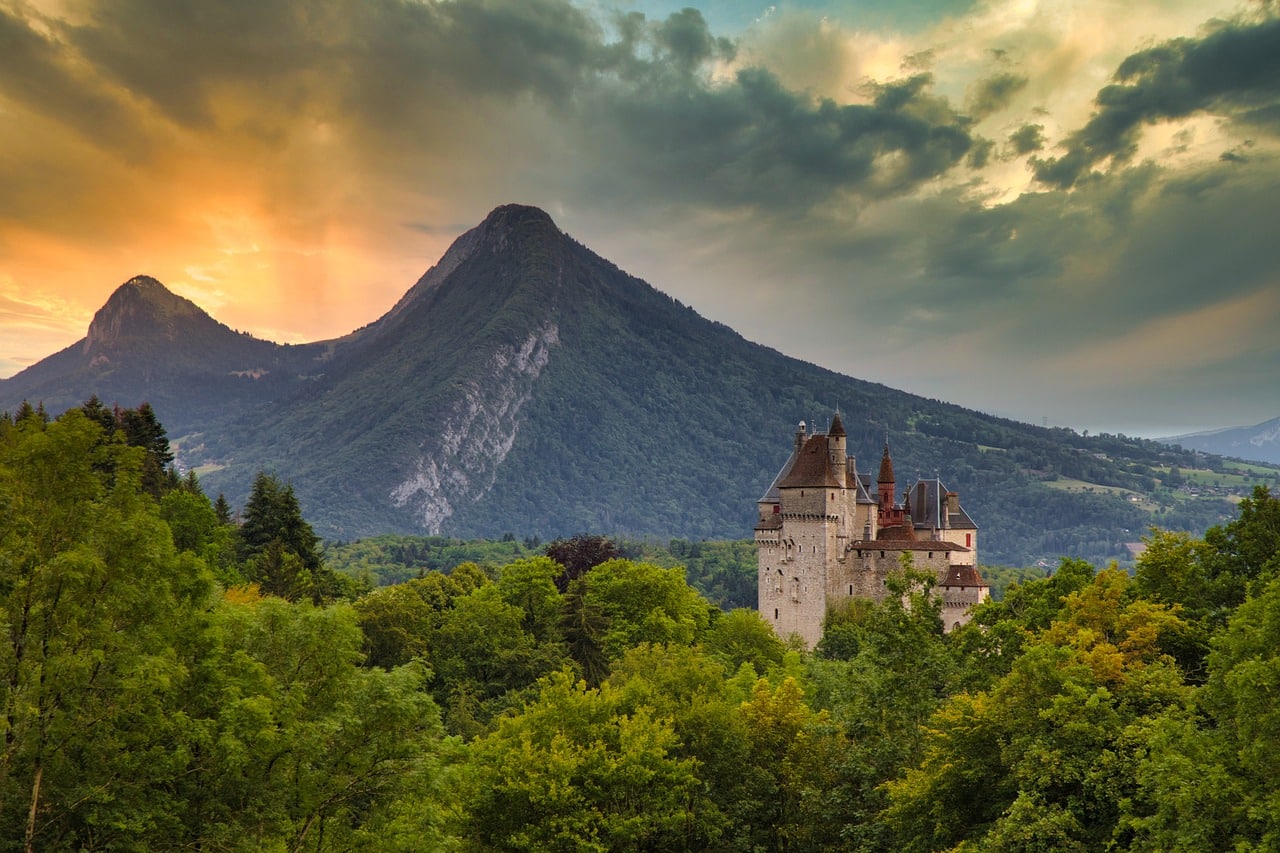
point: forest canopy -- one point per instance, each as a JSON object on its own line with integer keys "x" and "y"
{"x": 172, "y": 679}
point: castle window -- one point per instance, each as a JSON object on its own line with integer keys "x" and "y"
{"x": 930, "y": 555}
{"x": 968, "y": 540}
{"x": 775, "y": 613}
{"x": 851, "y": 589}
{"x": 882, "y": 555}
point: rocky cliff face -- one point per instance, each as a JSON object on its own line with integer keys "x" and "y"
{"x": 141, "y": 308}
{"x": 460, "y": 463}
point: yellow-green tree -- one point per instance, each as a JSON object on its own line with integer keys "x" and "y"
{"x": 578, "y": 770}
{"x": 1046, "y": 759}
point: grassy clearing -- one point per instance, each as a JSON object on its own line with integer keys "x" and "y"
{"x": 1204, "y": 477}
{"x": 1068, "y": 485}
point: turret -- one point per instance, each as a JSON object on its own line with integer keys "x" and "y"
{"x": 836, "y": 449}
{"x": 885, "y": 481}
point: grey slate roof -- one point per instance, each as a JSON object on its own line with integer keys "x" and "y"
{"x": 928, "y": 501}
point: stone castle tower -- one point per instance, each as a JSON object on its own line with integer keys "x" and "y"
{"x": 822, "y": 537}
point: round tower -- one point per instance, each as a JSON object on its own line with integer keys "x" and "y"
{"x": 838, "y": 457}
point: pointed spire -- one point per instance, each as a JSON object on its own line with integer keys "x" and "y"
{"x": 886, "y": 466}
{"x": 837, "y": 425}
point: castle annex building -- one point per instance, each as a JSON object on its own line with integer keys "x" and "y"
{"x": 827, "y": 533}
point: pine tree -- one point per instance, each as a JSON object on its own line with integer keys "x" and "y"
{"x": 281, "y": 550}
{"x": 223, "y": 509}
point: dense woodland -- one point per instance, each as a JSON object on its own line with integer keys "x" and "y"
{"x": 170, "y": 679}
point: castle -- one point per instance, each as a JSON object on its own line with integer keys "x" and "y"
{"x": 824, "y": 536}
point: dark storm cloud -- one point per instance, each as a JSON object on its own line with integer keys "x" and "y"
{"x": 1054, "y": 270}
{"x": 34, "y": 73}
{"x": 296, "y": 55}
{"x": 637, "y": 108}
{"x": 995, "y": 92}
{"x": 1234, "y": 71}
{"x": 754, "y": 142}
{"x": 686, "y": 39}
{"x": 1027, "y": 139}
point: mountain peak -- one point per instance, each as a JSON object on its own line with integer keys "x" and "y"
{"x": 509, "y": 226}
{"x": 140, "y": 307}
{"x": 511, "y": 215}
{"x": 506, "y": 227}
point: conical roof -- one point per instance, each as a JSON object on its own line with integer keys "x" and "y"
{"x": 886, "y": 467}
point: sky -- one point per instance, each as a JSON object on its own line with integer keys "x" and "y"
{"x": 1065, "y": 212}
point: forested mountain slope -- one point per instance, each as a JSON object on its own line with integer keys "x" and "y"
{"x": 527, "y": 385}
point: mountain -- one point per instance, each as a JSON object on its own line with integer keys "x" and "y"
{"x": 1260, "y": 443}
{"x": 526, "y": 385}
{"x": 147, "y": 343}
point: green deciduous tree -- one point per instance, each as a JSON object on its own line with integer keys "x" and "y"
{"x": 137, "y": 711}
{"x": 1210, "y": 775}
{"x": 1056, "y": 739}
{"x": 196, "y": 528}
{"x": 999, "y": 630}
{"x": 644, "y": 604}
{"x": 743, "y": 637}
{"x": 578, "y": 771}
{"x": 94, "y": 602}
{"x": 481, "y": 653}
{"x": 304, "y": 748}
{"x": 892, "y": 675}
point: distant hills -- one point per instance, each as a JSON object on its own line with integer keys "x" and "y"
{"x": 526, "y": 385}
{"x": 1260, "y": 443}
